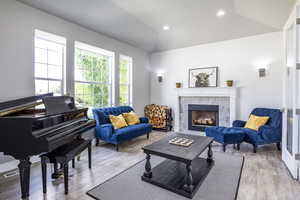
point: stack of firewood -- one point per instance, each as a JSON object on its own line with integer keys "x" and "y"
{"x": 159, "y": 116}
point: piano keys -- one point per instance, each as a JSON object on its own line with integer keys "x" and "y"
{"x": 27, "y": 130}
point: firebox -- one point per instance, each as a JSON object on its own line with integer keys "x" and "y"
{"x": 202, "y": 116}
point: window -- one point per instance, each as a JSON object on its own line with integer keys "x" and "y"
{"x": 93, "y": 76}
{"x": 125, "y": 70}
{"x": 49, "y": 63}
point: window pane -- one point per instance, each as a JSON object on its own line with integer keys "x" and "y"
{"x": 83, "y": 75}
{"x": 124, "y": 95}
{"x": 124, "y": 72}
{"x": 105, "y": 71}
{"x": 41, "y": 86}
{"x": 84, "y": 94}
{"x": 55, "y": 47}
{"x": 55, "y": 87}
{"x": 40, "y": 55}
{"x": 92, "y": 68}
{"x": 102, "y": 95}
{"x": 45, "y": 86}
{"x": 40, "y": 43}
{"x": 54, "y": 72}
{"x": 92, "y": 95}
{"x": 125, "y": 79}
{"x": 49, "y": 62}
{"x": 55, "y": 58}
{"x": 84, "y": 68}
{"x": 41, "y": 70}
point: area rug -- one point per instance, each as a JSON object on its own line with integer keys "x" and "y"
{"x": 221, "y": 183}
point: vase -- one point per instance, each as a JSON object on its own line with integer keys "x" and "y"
{"x": 229, "y": 83}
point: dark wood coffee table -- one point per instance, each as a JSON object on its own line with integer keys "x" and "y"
{"x": 183, "y": 171}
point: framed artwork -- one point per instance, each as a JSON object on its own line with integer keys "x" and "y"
{"x": 203, "y": 77}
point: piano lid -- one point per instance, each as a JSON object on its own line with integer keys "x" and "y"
{"x": 58, "y": 104}
{"x": 13, "y": 106}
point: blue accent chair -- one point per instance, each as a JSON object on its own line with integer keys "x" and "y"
{"x": 267, "y": 134}
{"x": 106, "y": 132}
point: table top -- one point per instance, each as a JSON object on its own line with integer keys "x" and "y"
{"x": 162, "y": 147}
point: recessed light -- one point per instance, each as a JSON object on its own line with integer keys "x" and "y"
{"x": 221, "y": 13}
{"x": 166, "y": 27}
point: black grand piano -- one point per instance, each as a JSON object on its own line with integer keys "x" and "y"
{"x": 39, "y": 124}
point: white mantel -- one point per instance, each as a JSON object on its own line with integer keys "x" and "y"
{"x": 231, "y": 92}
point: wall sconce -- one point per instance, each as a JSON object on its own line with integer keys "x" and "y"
{"x": 262, "y": 72}
{"x": 159, "y": 76}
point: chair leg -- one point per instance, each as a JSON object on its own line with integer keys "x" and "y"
{"x": 90, "y": 155}
{"x": 238, "y": 147}
{"x": 117, "y": 147}
{"x": 278, "y": 146}
{"x": 44, "y": 175}
{"x": 254, "y": 148}
{"x": 97, "y": 142}
{"x": 147, "y": 136}
{"x": 224, "y": 147}
{"x": 66, "y": 177}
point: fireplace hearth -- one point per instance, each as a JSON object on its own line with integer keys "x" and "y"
{"x": 202, "y": 116}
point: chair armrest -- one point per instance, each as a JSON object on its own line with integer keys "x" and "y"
{"x": 269, "y": 133}
{"x": 238, "y": 123}
{"x": 96, "y": 116}
{"x": 144, "y": 120}
{"x": 104, "y": 131}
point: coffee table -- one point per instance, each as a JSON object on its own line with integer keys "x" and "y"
{"x": 183, "y": 171}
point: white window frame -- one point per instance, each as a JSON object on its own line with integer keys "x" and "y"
{"x": 49, "y": 37}
{"x": 93, "y": 50}
{"x": 129, "y": 84}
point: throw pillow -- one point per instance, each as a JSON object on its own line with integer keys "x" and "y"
{"x": 117, "y": 121}
{"x": 255, "y": 122}
{"x": 131, "y": 118}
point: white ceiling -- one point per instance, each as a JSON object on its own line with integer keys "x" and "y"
{"x": 192, "y": 22}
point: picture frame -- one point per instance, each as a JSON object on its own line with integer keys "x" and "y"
{"x": 203, "y": 77}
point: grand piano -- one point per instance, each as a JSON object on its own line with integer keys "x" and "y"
{"x": 40, "y": 124}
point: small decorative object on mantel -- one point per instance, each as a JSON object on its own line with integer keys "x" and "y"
{"x": 181, "y": 141}
{"x": 229, "y": 83}
{"x": 203, "y": 77}
{"x": 262, "y": 72}
{"x": 178, "y": 85}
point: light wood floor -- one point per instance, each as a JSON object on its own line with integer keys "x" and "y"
{"x": 264, "y": 175}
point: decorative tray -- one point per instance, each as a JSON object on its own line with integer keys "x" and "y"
{"x": 185, "y": 142}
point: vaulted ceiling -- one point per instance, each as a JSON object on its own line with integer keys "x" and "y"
{"x": 191, "y": 22}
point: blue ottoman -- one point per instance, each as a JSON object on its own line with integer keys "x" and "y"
{"x": 226, "y": 135}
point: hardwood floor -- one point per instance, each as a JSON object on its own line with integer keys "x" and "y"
{"x": 264, "y": 175}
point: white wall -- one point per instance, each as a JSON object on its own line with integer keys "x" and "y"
{"x": 237, "y": 60}
{"x": 17, "y": 25}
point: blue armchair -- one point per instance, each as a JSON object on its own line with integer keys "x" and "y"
{"x": 267, "y": 134}
{"x": 106, "y": 132}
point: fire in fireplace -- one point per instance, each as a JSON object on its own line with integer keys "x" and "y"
{"x": 202, "y": 116}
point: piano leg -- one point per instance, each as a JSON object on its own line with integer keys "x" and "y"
{"x": 24, "y": 170}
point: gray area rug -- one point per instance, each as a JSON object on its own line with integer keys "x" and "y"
{"x": 221, "y": 183}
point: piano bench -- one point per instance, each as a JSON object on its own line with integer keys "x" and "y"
{"x": 63, "y": 155}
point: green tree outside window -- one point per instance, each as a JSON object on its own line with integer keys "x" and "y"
{"x": 92, "y": 79}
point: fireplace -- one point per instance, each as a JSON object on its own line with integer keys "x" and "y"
{"x": 202, "y": 116}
